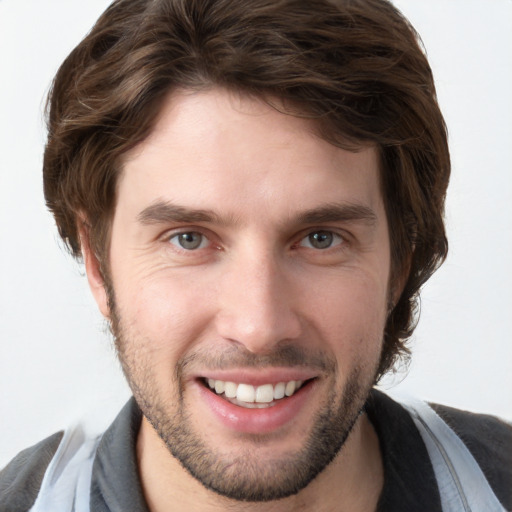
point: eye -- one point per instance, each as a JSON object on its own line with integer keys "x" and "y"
{"x": 189, "y": 240}
{"x": 321, "y": 240}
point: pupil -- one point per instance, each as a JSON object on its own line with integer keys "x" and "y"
{"x": 190, "y": 240}
{"x": 321, "y": 239}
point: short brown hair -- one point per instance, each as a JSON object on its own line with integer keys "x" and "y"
{"x": 355, "y": 67}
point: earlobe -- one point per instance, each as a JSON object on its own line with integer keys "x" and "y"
{"x": 93, "y": 270}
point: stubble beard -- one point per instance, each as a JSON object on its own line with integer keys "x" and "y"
{"x": 242, "y": 476}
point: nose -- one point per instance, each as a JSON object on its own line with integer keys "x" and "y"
{"x": 257, "y": 304}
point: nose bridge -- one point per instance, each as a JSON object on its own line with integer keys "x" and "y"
{"x": 256, "y": 307}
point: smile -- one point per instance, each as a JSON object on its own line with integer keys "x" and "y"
{"x": 258, "y": 402}
{"x": 251, "y": 397}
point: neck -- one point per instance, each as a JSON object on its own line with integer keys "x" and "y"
{"x": 352, "y": 482}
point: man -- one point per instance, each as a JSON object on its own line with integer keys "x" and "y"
{"x": 257, "y": 191}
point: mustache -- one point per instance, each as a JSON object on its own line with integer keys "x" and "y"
{"x": 237, "y": 356}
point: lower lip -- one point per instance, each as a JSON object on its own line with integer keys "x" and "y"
{"x": 256, "y": 421}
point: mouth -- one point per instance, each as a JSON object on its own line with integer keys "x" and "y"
{"x": 258, "y": 402}
{"x": 254, "y": 397}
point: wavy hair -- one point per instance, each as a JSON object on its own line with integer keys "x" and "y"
{"x": 356, "y": 68}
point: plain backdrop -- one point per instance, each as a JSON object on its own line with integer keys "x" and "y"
{"x": 57, "y": 363}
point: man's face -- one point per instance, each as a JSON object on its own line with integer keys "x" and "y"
{"x": 249, "y": 260}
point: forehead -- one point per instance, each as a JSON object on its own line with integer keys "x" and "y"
{"x": 221, "y": 150}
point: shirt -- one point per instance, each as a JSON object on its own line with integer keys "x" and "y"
{"x": 409, "y": 480}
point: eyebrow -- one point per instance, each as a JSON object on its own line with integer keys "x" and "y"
{"x": 166, "y": 212}
{"x": 334, "y": 212}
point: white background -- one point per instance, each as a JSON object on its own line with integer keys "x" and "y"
{"x": 56, "y": 360}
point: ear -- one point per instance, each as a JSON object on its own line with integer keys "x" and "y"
{"x": 93, "y": 270}
{"x": 399, "y": 283}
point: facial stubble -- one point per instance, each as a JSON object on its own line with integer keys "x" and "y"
{"x": 240, "y": 476}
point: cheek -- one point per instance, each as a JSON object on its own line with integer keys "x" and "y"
{"x": 166, "y": 314}
{"x": 351, "y": 314}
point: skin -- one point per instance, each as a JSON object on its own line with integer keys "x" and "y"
{"x": 258, "y": 298}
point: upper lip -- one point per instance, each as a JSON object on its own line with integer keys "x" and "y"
{"x": 258, "y": 377}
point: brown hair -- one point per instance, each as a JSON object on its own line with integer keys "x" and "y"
{"x": 354, "y": 66}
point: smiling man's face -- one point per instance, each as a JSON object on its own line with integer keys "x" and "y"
{"x": 249, "y": 261}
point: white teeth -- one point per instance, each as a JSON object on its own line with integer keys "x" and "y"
{"x": 251, "y": 405}
{"x": 245, "y": 393}
{"x": 290, "y": 388}
{"x": 264, "y": 394}
{"x": 279, "y": 391}
{"x": 230, "y": 389}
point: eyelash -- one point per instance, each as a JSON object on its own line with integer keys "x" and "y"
{"x": 185, "y": 233}
{"x": 323, "y": 233}
{"x": 336, "y": 240}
